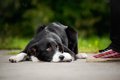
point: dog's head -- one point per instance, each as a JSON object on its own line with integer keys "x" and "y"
{"x": 50, "y": 50}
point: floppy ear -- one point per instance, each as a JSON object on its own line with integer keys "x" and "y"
{"x": 49, "y": 47}
{"x": 40, "y": 28}
{"x": 32, "y": 49}
{"x": 72, "y": 39}
{"x": 61, "y": 48}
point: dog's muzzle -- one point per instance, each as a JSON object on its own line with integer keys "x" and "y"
{"x": 62, "y": 57}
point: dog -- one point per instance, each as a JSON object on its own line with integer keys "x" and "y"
{"x": 54, "y": 42}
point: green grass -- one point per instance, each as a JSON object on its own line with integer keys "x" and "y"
{"x": 92, "y": 44}
{"x": 13, "y": 43}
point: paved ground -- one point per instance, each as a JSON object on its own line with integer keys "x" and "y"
{"x": 77, "y": 70}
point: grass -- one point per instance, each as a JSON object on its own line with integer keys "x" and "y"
{"x": 89, "y": 45}
{"x": 93, "y": 44}
{"x": 13, "y": 43}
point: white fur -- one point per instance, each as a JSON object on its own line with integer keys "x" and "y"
{"x": 34, "y": 59}
{"x": 19, "y": 57}
{"x": 67, "y": 56}
{"x": 82, "y": 56}
{"x": 56, "y": 56}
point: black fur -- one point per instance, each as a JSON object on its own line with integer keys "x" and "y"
{"x": 48, "y": 38}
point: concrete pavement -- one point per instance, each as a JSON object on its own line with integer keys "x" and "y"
{"x": 77, "y": 70}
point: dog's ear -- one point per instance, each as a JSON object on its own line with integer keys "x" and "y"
{"x": 49, "y": 47}
{"x": 40, "y": 28}
{"x": 61, "y": 48}
{"x": 72, "y": 39}
{"x": 32, "y": 49}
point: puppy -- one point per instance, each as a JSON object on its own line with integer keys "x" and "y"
{"x": 52, "y": 43}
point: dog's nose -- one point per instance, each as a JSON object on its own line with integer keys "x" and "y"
{"x": 61, "y": 57}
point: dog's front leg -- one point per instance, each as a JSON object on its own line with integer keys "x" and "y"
{"x": 34, "y": 59}
{"x": 69, "y": 51}
{"x": 17, "y": 58}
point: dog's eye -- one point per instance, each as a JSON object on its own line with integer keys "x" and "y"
{"x": 49, "y": 49}
{"x": 56, "y": 46}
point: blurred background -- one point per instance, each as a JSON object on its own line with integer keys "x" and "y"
{"x": 20, "y": 18}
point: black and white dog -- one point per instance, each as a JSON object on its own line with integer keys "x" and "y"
{"x": 52, "y": 43}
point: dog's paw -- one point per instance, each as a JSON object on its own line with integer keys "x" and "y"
{"x": 13, "y": 59}
{"x": 82, "y": 56}
{"x": 34, "y": 59}
{"x": 17, "y": 58}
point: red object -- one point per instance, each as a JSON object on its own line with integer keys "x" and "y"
{"x": 107, "y": 54}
